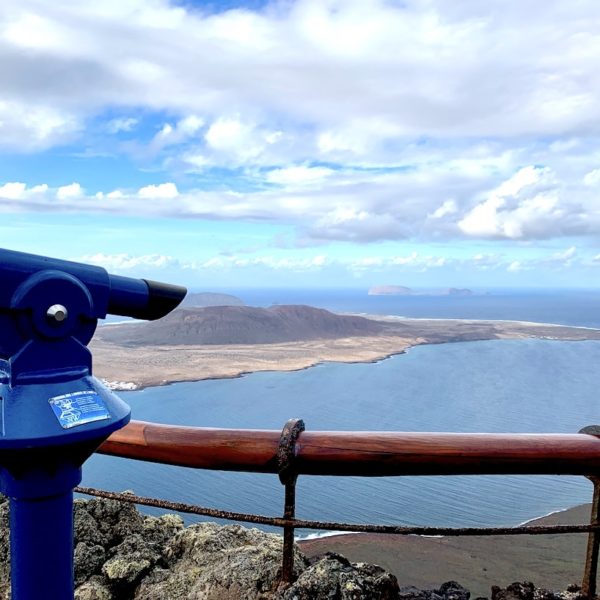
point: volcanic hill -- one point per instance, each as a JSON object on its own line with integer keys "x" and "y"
{"x": 241, "y": 325}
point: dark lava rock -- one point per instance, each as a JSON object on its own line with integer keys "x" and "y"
{"x": 447, "y": 591}
{"x": 527, "y": 591}
{"x": 122, "y": 555}
{"x": 333, "y": 577}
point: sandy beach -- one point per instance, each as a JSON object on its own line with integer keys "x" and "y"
{"x": 144, "y": 366}
{"x": 551, "y": 561}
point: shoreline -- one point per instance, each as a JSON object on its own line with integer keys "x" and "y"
{"x": 557, "y": 514}
{"x": 128, "y": 368}
{"x": 128, "y": 386}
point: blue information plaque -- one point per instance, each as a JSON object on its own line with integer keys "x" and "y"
{"x": 79, "y": 408}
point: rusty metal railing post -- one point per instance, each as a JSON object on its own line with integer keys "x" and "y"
{"x": 588, "y": 586}
{"x": 590, "y": 574}
{"x": 286, "y": 453}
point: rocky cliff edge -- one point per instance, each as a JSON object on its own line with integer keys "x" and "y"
{"x": 121, "y": 554}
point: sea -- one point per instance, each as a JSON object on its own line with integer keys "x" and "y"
{"x": 487, "y": 386}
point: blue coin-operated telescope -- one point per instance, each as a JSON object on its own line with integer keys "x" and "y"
{"x": 53, "y": 412}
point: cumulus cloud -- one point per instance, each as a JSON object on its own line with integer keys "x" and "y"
{"x": 161, "y": 191}
{"x": 239, "y": 142}
{"x": 528, "y": 205}
{"x": 409, "y": 68}
{"x": 183, "y": 130}
{"x": 359, "y": 121}
{"x": 29, "y": 126}
{"x": 68, "y": 192}
{"x": 354, "y": 205}
{"x": 17, "y": 190}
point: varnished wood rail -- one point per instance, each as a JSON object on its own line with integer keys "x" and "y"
{"x": 295, "y": 452}
{"x": 362, "y": 453}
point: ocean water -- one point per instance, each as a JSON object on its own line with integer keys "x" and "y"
{"x": 490, "y": 386}
{"x": 568, "y": 307}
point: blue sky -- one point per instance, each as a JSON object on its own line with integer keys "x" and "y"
{"x": 305, "y": 143}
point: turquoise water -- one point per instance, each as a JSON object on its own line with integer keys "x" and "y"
{"x": 492, "y": 386}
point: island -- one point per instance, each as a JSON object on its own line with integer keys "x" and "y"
{"x": 401, "y": 290}
{"x": 202, "y": 299}
{"x": 193, "y": 344}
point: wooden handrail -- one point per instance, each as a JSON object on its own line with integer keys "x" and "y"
{"x": 360, "y": 453}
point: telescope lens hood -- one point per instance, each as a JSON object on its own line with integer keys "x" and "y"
{"x": 143, "y": 298}
{"x": 162, "y": 299}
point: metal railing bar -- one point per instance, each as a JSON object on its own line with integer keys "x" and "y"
{"x": 333, "y": 525}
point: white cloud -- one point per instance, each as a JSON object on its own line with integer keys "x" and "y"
{"x": 486, "y": 262}
{"x": 27, "y": 126}
{"x": 271, "y": 262}
{"x": 12, "y": 190}
{"x": 405, "y": 260}
{"x": 402, "y": 68}
{"x": 239, "y": 142}
{"x": 355, "y": 205}
{"x": 376, "y": 120}
{"x": 410, "y": 262}
{"x": 526, "y": 205}
{"x": 592, "y": 178}
{"x": 562, "y": 259}
{"x": 182, "y": 131}
{"x": 124, "y": 262}
{"x": 16, "y": 190}
{"x": 162, "y": 191}
{"x": 122, "y": 124}
{"x": 515, "y": 266}
{"x": 447, "y": 208}
{"x": 68, "y": 192}
{"x": 300, "y": 175}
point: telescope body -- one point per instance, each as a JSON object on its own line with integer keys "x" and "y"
{"x": 53, "y": 412}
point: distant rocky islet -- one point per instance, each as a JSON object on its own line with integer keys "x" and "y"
{"x": 401, "y": 290}
{"x": 203, "y": 299}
